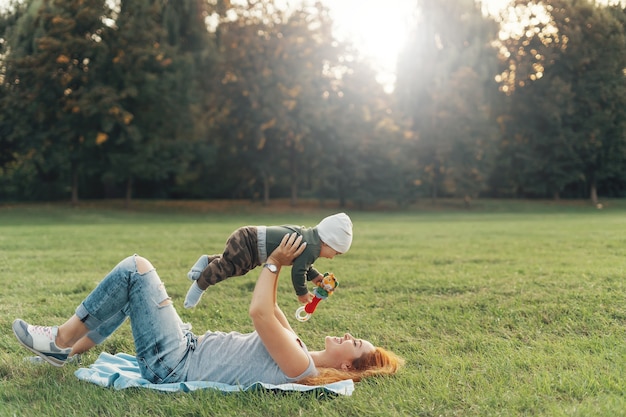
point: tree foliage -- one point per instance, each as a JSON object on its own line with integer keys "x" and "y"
{"x": 51, "y": 84}
{"x": 567, "y": 83}
{"x": 446, "y": 84}
{"x": 258, "y": 99}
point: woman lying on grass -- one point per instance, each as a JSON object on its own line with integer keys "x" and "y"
{"x": 168, "y": 352}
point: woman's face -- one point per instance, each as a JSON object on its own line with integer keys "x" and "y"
{"x": 347, "y": 348}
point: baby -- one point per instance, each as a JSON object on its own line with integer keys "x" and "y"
{"x": 249, "y": 246}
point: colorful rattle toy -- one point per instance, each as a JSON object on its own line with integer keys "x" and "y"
{"x": 324, "y": 289}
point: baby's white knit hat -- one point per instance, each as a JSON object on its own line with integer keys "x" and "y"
{"x": 336, "y": 231}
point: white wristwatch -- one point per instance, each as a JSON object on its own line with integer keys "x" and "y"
{"x": 273, "y": 268}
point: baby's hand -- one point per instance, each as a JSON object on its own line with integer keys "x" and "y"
{"x": 317, "y": 279}
{"x": 306, "y": 298}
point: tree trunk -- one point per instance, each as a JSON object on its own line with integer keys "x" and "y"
{"x": 294, "y": 178}
{"x": 129, "y": 192}
{"x": 594, "y": 193}
{"x": 341, "y": 192}
{"x": 294, "y": 193}
{"x": 433, "y": 190}
{"x": 266, "y": 188}
{"x": 74, "y": 185}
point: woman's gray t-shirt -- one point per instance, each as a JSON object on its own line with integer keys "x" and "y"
{"x": 238, "y": 359}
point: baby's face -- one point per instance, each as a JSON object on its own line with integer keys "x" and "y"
{"x": 328, "y": 252}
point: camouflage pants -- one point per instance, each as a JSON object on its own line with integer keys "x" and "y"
{"x": 240, "y": 255}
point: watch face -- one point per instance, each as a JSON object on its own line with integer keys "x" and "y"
{"x": 271, "y": 267}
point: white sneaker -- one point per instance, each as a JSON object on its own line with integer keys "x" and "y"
{"x": 38, "y": 360}
{"x": 41, "y": 341}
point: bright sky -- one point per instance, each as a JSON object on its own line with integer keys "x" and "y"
{"x": 379, "y": 29}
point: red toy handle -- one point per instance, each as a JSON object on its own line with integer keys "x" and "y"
{"x": 323, "y": 290}
{"x": 310, "y": 307}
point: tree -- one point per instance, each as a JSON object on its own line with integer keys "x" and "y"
{"x": 106, "y": 95}
{"x": 8, "y": 144}
{"x": 274, "y": 81}
{"x": 445, "y": 84}
{"x": 567, "y": 85}
{"x": 360, "y": 137}
{"x": 537, "y": 150}
{"x": 152, "y": 72}
{"x": 50, "y": 85}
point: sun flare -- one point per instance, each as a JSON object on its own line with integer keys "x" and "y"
{"x": 378, "y": 28}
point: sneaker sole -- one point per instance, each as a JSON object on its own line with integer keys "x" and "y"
{"x": 37, "y": 360}
{"x": 52, "y": 361}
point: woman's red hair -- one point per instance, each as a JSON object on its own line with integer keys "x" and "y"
{"x": 380, "y": 362}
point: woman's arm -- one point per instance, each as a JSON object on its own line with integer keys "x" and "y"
{"x": 280, "y": 316}
{"x": 278, "y": 313}
{"x": 269, "y": 322}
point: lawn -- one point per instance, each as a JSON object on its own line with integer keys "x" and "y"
{"x": 507, "y": 309}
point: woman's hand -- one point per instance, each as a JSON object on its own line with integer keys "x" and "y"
{"x": 290, "y": 248}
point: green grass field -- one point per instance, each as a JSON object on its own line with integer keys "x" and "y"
{"x": 509, "y": 309}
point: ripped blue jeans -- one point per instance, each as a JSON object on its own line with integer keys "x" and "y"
{"x": 162, "y": 341}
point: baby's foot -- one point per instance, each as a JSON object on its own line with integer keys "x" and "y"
{"x": 196, "y": 270}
